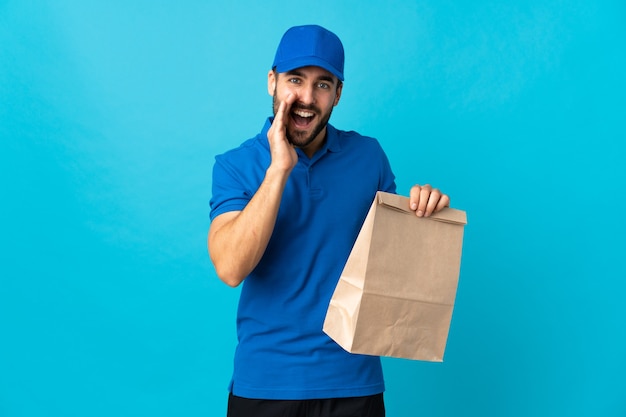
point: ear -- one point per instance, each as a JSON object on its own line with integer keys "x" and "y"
{"x": 271, "y": 82}
{"x": 338, "y": 93}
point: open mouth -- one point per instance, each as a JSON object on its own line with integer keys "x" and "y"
{"x": 302, "y": 118}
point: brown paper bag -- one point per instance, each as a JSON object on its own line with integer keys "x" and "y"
{"x": 396, "y": 293}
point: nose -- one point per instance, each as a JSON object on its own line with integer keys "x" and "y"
{"x": 306, "y": 95}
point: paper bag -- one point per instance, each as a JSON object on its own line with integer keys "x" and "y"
{"x": 396, "y": 292}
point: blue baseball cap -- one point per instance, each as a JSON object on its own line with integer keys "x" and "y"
{"x": 303, "y": 46}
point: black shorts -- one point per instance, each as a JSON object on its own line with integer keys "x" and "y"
{"x": 370, "y": 406}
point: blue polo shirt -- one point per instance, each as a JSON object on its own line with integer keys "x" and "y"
{"x": 282, "y": 351}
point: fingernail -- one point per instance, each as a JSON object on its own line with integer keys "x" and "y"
{"x": 413, "y": 206}
{"x": 420, "y": 213}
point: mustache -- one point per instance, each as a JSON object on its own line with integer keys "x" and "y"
{"x": 309, "y": 107}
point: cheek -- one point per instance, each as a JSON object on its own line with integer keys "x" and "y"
{"x": 283, "y": 90}
{"x": 330, "y": 102}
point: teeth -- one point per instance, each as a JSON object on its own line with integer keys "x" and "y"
{"x": 303, "y": 113}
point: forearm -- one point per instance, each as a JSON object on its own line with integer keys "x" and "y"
{"x": 237, "y": 242}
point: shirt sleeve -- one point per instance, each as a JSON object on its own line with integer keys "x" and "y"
{"x": 229, "y": 192}
{"x": 387, "y": 177}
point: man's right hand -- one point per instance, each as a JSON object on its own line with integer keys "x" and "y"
{"x": 284, "y": 156}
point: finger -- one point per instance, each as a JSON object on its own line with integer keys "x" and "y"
{"x": 422, "y": 205}
{"x": 414, "y": 196}
{"x": 419, "y": 198}
{"x": 277, "y": 131}
{"x": 433, "y": 202}
{"x": 444, "y": 201}
{"x": 283, "y": 110}
{"x": 289, "y": 100}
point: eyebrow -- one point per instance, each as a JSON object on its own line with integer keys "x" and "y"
{"x": 321, "y": 78}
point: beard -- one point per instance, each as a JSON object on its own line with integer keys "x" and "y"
{"x": 302, "y": 138}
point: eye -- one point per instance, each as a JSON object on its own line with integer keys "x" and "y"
{"x": 294, "y": 80}
{"x": 325, "y": 86}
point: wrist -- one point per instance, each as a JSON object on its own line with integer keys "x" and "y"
{"x": 277, "y": 173}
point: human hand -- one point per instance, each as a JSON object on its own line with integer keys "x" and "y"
{"x": 283, "y": 154}
{"x": 426, "y": 200}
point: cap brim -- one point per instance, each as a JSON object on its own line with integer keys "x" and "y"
{"x": 308, "y": 61}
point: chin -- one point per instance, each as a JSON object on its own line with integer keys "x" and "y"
{"x": 300, "y": 139}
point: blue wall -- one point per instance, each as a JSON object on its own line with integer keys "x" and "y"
{"x": 111, "y": 114}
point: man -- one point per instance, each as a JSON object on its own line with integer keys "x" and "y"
{"x": 287, "y": 206}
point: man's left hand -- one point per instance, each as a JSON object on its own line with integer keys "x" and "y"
{"x": 426, "y": 200}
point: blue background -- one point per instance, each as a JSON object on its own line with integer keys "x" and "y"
{"x": 111, "y": 114}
